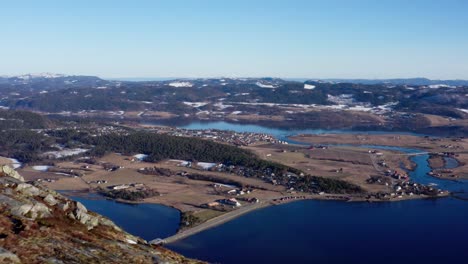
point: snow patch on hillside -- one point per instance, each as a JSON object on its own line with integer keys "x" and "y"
{"x": 15, "y": 163}
{"x": 140, "y": 157}
{"x": 345, "y": 99}
{"x": 180, "y": 84}
{"x": 265, "y": 85}
{"x": 47, "y": 75}
{"x": 437, "y": 86}
{"x": 222, "y": 106}
{"x": 206, "y": 165}
{"x": 195, "y": 104}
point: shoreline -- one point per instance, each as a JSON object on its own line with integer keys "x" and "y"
{"x": 229, "y": 216}
{"x": 219, "y": 220}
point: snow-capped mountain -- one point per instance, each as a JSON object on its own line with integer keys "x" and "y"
{"x": 46, "y": 75}
{"x": 50, "y": 81}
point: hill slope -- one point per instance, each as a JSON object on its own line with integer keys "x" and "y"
{"x": 38, "y": 225}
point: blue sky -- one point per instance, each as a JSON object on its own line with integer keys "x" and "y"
{"x": 185, "y": 38}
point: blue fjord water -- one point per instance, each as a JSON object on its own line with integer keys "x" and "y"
{"x": 148, "y": 221}
{"x": 415, "y": 231}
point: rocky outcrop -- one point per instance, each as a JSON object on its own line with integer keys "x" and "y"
{"x": 28, "y": 189}
{"x": 50, "y": 200}
{"x": 33, "y": 211}
{"x": 9, "y": 171}
{"x": 8, "y": 257}
{"x": 38, "y": 225}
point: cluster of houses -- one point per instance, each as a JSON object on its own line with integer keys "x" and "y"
{"x": 439, "y": 173}
{"x": 45, "y": 180}
{"x": 287, "y": 179}
{"x": 379, "y": 180}
{"x": 111, "y": 167}
{"x": 396, "y": 175}
{"x": 250, "y": 200}
{"x": 289, "y": 198}
{"x": 97, "y": 182}
{"x": 225, "y": 136}
{"x": 238, "y": 192}
{"x": 97, "y": 130}
{"x": 311, "y": 147}
{"x": 232, "y": 202}
{"x": 450, "y": 146}
{"x": 375, "y": 152}
{"x": 406, "y": 189}
{"x": 446, "y": 154}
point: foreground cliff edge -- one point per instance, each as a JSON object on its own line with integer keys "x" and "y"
{"x": 38, "y": 225}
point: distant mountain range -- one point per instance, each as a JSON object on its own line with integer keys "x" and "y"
{"x": 68, "y": 79}
{"x": 401, "y": 81}
{"x": 49, "y": 81}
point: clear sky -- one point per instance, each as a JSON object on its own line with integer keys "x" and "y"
{"x": 251, "y": 38}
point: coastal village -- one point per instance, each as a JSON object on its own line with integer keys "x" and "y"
{"x": 209, "y": 190}
{"x": 223, "y": 136}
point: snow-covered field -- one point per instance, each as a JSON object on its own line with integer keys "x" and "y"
{"x": 15, "y": 163}
{"x": 360, "y": 108}
{"x": 345, "y": 99}
{"x": 181, "y": 84}
{"x": 119, "y": 113}
{"x": 342, "y": 104}
{"x": 309, "y": 86}
{"x": 47, "y": 75}
{"x": 221, "y": 106}
{"x": 181, "y": 162}
{"x": 41, "y": 167}
{"x": 195, "y": 104}
{"x": 265, "y": 85}
{"x": 437, "y": 86}
{"x": 140, "y": 157}
{"x": 206, "y": 165}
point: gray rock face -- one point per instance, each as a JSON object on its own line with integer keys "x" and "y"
{"x": 23, "y": 204}
{"x": 64, "y": 206}
{"x": 81, "y": 207}
{"x": 81, "y": 214}
{"x": 50, "y": 200}
{"x": 28, "y": 189}
{"x": 28, "y": 206}
{"x": 36, "y": 210}
{"x": 8, "y": 257}
{"x": 40, "y": 210}
{"x": 9, "y": 171}
{"x": 21, "y": 210}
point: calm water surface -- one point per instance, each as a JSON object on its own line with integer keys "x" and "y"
{"x": 148, "y": 221}
{"x": 417, "y": 231}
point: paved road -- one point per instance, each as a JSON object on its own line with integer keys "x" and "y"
{"x": 216, "y": 221}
